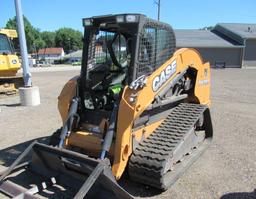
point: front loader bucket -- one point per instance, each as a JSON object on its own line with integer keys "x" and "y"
{"x": 75, "y": 175}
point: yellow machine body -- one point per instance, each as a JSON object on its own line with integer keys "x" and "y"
{"x": 9, "y": 65}
{"x": 9, "y": 33}
{"x": 128, "y": 111}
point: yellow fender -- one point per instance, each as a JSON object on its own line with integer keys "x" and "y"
{"x": 129, "y": 111}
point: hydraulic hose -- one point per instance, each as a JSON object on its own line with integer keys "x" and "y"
{"x": 68, "y": 123}
{"x": 110, "y": 133}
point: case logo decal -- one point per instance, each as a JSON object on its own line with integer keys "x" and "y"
{"x": 159, "y": 80}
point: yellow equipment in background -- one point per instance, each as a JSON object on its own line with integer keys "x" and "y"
{"x": 9, "y": 63}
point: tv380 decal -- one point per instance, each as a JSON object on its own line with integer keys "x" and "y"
{"x": 159, "y": 80}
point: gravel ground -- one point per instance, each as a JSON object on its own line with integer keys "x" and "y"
{"x": 227, "y": 169}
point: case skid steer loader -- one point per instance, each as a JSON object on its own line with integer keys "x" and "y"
{"x": 138, "y": 105}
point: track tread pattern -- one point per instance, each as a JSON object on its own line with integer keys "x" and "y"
{"x": 147, "y": 162}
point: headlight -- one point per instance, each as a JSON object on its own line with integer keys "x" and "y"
{"x": 131, "y": 18}
{"x": 120, "y": 19}
{"x": 14, "y": 61}
{"x": 87, "y": 22}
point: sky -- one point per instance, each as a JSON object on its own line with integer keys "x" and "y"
{"x": 50, "y": 15}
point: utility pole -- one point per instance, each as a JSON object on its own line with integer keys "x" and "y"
{"x": 158, "y": 3}
{"x": 23, "y": 44}
{"x": 29, "y": 95}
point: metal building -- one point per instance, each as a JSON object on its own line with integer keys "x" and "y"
{"x": 214, "y": 49}
{"x": 227, "y": 45}
{"x": 244, "y": 34}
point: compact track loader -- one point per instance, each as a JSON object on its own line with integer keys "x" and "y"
{"x": 138, "y": 105}
{"x": 9, "y": 64}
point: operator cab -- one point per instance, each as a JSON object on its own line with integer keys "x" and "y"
{"x": 5, "y": 45}
{"x": 109, "y": 43}
{"x": 118, "y": 50}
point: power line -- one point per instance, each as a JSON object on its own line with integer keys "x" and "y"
{"x": 158, "y": 3}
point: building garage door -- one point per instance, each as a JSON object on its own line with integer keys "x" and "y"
{"x": 226, "y": 57}
{"x": 250, "y": 53}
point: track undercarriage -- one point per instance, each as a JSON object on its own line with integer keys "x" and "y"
{"x": 164, "y": 156}
{"x": 9, "y": 84}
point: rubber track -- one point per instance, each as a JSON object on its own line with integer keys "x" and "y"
{"x": 148, "y": 159}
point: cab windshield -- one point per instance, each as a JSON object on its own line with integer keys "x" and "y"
{"x": 108, "y": 59}
{"x": 5, "y": 46}
{"x": 107, "y": 43}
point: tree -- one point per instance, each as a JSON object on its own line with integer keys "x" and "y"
{"x": 49, "y": 38}
{"x": 33, "y": 37}
{"x": 69, "y": 39}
